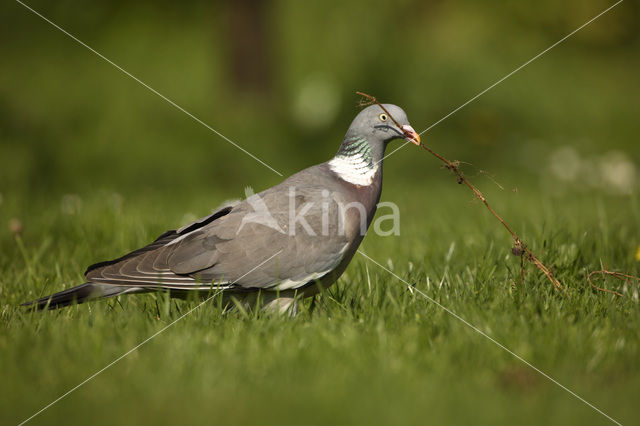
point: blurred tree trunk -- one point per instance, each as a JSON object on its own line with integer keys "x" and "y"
{"x": 249, "y": 43}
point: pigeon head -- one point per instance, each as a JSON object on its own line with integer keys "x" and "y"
{"x": 373, "y": 128}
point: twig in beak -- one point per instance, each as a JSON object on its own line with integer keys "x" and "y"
{"x": 524, "y": 251}
{"x": 411, "y": 135}
{"x": 373, "y": 100}
{"x": 408, "y": 132}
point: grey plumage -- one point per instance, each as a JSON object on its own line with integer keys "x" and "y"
{"x": 226, "y": 249}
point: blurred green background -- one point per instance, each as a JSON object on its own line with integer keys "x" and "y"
{"x": 92, "y": 164}
{"x": 278, "y": 78}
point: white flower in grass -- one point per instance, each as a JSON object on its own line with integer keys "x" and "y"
{"x": 618, "y": 172}
{"x": 317, "y": 102}
{"x": 565, "y": 163}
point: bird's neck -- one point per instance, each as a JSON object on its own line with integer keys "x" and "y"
{"x": 356, "y": 162}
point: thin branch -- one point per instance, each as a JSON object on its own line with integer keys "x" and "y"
{"x": 519, "y": 245}
{"x": 372, "y": 100}
{"x": 619, "y": 275}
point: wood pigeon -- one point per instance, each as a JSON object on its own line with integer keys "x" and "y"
{"x": 285, "y": 242}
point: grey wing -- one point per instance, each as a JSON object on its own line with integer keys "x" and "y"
{"x": 147, "y": 266}
{"x": 249, "y": 246}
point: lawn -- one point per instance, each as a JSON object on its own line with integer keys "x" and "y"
{"x": 93, "y": 165}
{"x": 368, "y": 351}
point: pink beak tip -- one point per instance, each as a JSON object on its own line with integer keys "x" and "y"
{"x": 411, "y": 135}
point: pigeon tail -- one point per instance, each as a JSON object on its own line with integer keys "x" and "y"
{"x": 79, "y": 294}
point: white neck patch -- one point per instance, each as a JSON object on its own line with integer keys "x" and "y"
{"x": 354, "y": 169}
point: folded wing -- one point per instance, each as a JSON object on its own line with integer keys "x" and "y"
{"x": 227, "y": 248}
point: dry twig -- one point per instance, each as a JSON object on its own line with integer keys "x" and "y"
{"x": 519, "y": 247}
{"x": 619, "y": 275}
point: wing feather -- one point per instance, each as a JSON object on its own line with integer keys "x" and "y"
{"x": 224, "y": 246}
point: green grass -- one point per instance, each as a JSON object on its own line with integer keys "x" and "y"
{"x": 370, "y": 352}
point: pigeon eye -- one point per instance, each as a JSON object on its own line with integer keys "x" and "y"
{"x": 383, "y": 117}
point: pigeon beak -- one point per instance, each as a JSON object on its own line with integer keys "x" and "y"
{"x": 411, "y": 135}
